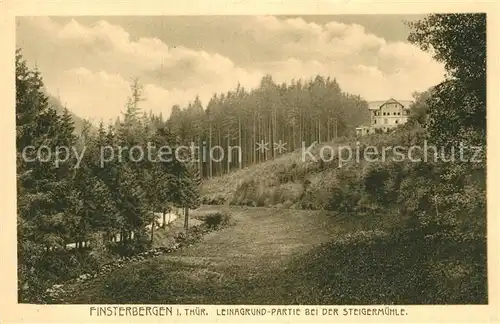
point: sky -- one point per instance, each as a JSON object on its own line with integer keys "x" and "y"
{"x": 89, "y": 62}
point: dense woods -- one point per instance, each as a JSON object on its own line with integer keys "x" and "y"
{"x": 87, "y": 200}
{"x": 286, "y": 114}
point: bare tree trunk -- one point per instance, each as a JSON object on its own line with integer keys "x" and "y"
{"x": 219, "y": 163}
{"x": 328, "y": 130}
{"x": 239, "y": 142}
{"x": 259, "y": 139}
{"x": 210, "y": 150}
{"x": 301, "y": 129}
{"x": 436, "y": 205}
{"x": 254, "y": 152}
{"x": 319, "y": 129}
{"x": 200, "y": 157}
{"x": 186, "y": 218}
{"x": 229, "y": 153}
{"x": 153, "y": 229}
{"x": 271, "y": 133}
{"x": 265, "y": 128}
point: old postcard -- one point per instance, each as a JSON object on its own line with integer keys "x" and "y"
{"x": 249, "y": 161}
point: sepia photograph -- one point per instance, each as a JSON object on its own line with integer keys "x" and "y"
{"x": 251, "y": 160}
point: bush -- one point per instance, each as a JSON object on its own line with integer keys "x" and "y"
{"x": 218, "y": 219}
{"x": 287, "y": 204}
{"x": 260, "y": 201}
{"x": 139, "y": 284}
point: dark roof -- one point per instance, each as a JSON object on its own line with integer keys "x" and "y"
{"x": 374, "y": 105}
{"x": 406, "y": 103}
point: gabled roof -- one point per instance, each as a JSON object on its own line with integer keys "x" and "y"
{"x": 375, "y": 105}
{"x": 406, "y": 103}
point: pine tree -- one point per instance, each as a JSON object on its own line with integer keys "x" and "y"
{"x": 47, "y": 201}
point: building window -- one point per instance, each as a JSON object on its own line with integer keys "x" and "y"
{"x": 399, "y": 113}
{"x": 375, "y": 121}
{"x": 385, "y": 121}
{"x": 396, "y": 121}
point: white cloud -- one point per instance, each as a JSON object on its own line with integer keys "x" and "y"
{"x": 363, "y": 63}
{"x": 90, "y": 66}
{"x": 99, "y": 95}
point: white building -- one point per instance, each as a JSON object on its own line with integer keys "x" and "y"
{"x": 385, "y": 115}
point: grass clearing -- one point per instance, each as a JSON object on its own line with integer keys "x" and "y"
{"x": 255, "y": 261}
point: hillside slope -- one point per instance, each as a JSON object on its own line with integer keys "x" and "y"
{"x": 298, "y": 180}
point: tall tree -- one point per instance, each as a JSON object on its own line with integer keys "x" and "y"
{"x": 457, "y": 110}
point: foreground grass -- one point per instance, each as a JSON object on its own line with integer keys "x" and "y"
{"x": 390, "y": 269}
{"x": 302, "y": 257}
{"x": 386, "y": 270}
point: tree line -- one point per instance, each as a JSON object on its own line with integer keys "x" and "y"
{"x": 270, "y": 115}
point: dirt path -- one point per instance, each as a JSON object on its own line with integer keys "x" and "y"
{"x": 259, "y": 235}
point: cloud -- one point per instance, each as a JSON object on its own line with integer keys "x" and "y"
{"x": 363, "y": 63}
{"x": 99, "y": 95}
{"x": 90, "y": 66}
{"x": 92, "y": 95}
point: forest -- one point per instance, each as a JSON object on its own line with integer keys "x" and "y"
{"x": 295, "y": 113}
{"x": 443, "y": 203}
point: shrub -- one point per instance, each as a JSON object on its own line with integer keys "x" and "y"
{"x": 260, "y": 201}
{"x": 287, "y": 204}
{"x": 218, "y": 219}
{"x": 139, "y": 284}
